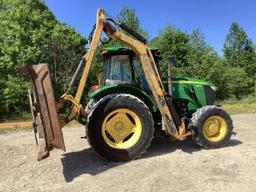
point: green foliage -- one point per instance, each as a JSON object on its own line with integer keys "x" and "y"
{"x": 173, "y": 43}
{"x": 239, "y": 83}
{"x": 65, "y": 49}
{"x": 14, "y": 94}
{"x": 30, "y": 34}
{"x": 231, "y": 82}
{"x": 201, "y": 56}
{"x": 239, "y": 50}
{"x": 193, "y": 56}
{"x": 232, "y": 75}
{"x": 128, "y": 16}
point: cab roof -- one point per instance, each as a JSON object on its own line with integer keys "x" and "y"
{"x": 117, "y": 49}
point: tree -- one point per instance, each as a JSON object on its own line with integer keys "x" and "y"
{"x": 173, "y": 43}
{"x": 197, "y": 40}
{"x": 66, "y": 48}
{"x": 239, "y": 84}
{"x": 30, "y": 34}
{"x": 128, "y": 16}
{"x": 239, "y": 50}
{"x": 201, "y": 56}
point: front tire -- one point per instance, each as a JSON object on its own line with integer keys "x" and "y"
{"x": 212, "y": 127}
{"x": 120, "y": 127}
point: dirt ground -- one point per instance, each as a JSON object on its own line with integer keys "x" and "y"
{"x": 167, "y": 166}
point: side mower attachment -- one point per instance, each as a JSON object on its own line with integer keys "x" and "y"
{"x": 43, "y": 107}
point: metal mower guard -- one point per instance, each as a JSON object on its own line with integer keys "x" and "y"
{"x": 43, "y": 107}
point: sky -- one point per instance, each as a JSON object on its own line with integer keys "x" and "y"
{"x": 212, "y": 17}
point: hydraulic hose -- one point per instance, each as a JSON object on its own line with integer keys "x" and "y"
{"x": 132, "y": 32}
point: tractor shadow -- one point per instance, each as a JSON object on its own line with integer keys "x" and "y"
{"x": 88, "y": 162}
{"x": 162, "y": 145}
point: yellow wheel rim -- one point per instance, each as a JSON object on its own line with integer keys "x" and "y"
{"x": 215, "y": 128}
{"x": 121, "y": 129}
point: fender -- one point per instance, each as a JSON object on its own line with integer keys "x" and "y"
{"x": 124, "y": 88}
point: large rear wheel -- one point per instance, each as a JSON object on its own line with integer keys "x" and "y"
{"x": 212, "y": 127}
{"x": 120, "y": 127}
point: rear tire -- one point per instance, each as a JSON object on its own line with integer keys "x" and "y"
{"x": 212, "y": 127}
{"x": 108, "y": 121}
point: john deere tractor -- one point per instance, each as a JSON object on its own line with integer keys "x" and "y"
{"x": 123, "y": 114}
{"x": 132, "y": 103}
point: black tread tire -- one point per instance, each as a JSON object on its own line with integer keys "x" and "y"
{"x": 198, "y": 119}
{"x": 102, "y": 109}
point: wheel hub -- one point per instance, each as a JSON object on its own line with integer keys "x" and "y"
{"x": 121, "y": 128}
{"x": 215, "y": 128}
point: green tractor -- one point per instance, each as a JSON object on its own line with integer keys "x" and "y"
{"x": 132, "y": 103}
{"x": 123, "y": 116}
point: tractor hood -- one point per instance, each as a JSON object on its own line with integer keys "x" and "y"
{"x": 196, "y": 92}
{"x": 188, "y": 80}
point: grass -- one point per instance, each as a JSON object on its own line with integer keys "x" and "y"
{"x": 245, "y": 105}
{"x": 12, "y": 130}
{"x": 26, "y": 116}
{"x": 240, "y": 108}
{"x": 72, "y": 124}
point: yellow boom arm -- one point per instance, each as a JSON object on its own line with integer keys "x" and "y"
{"x": 149, "y": 68}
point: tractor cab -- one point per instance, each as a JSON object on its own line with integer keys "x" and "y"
{"x": 122, "y": 66}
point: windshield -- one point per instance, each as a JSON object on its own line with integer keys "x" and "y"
{"x": 118, "y": 69}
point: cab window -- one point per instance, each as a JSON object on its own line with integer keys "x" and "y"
{"x": 118, "y": 69}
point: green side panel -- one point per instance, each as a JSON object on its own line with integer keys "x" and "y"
{"x": 124, "y": 88}
{"x": 189, "y": 89}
